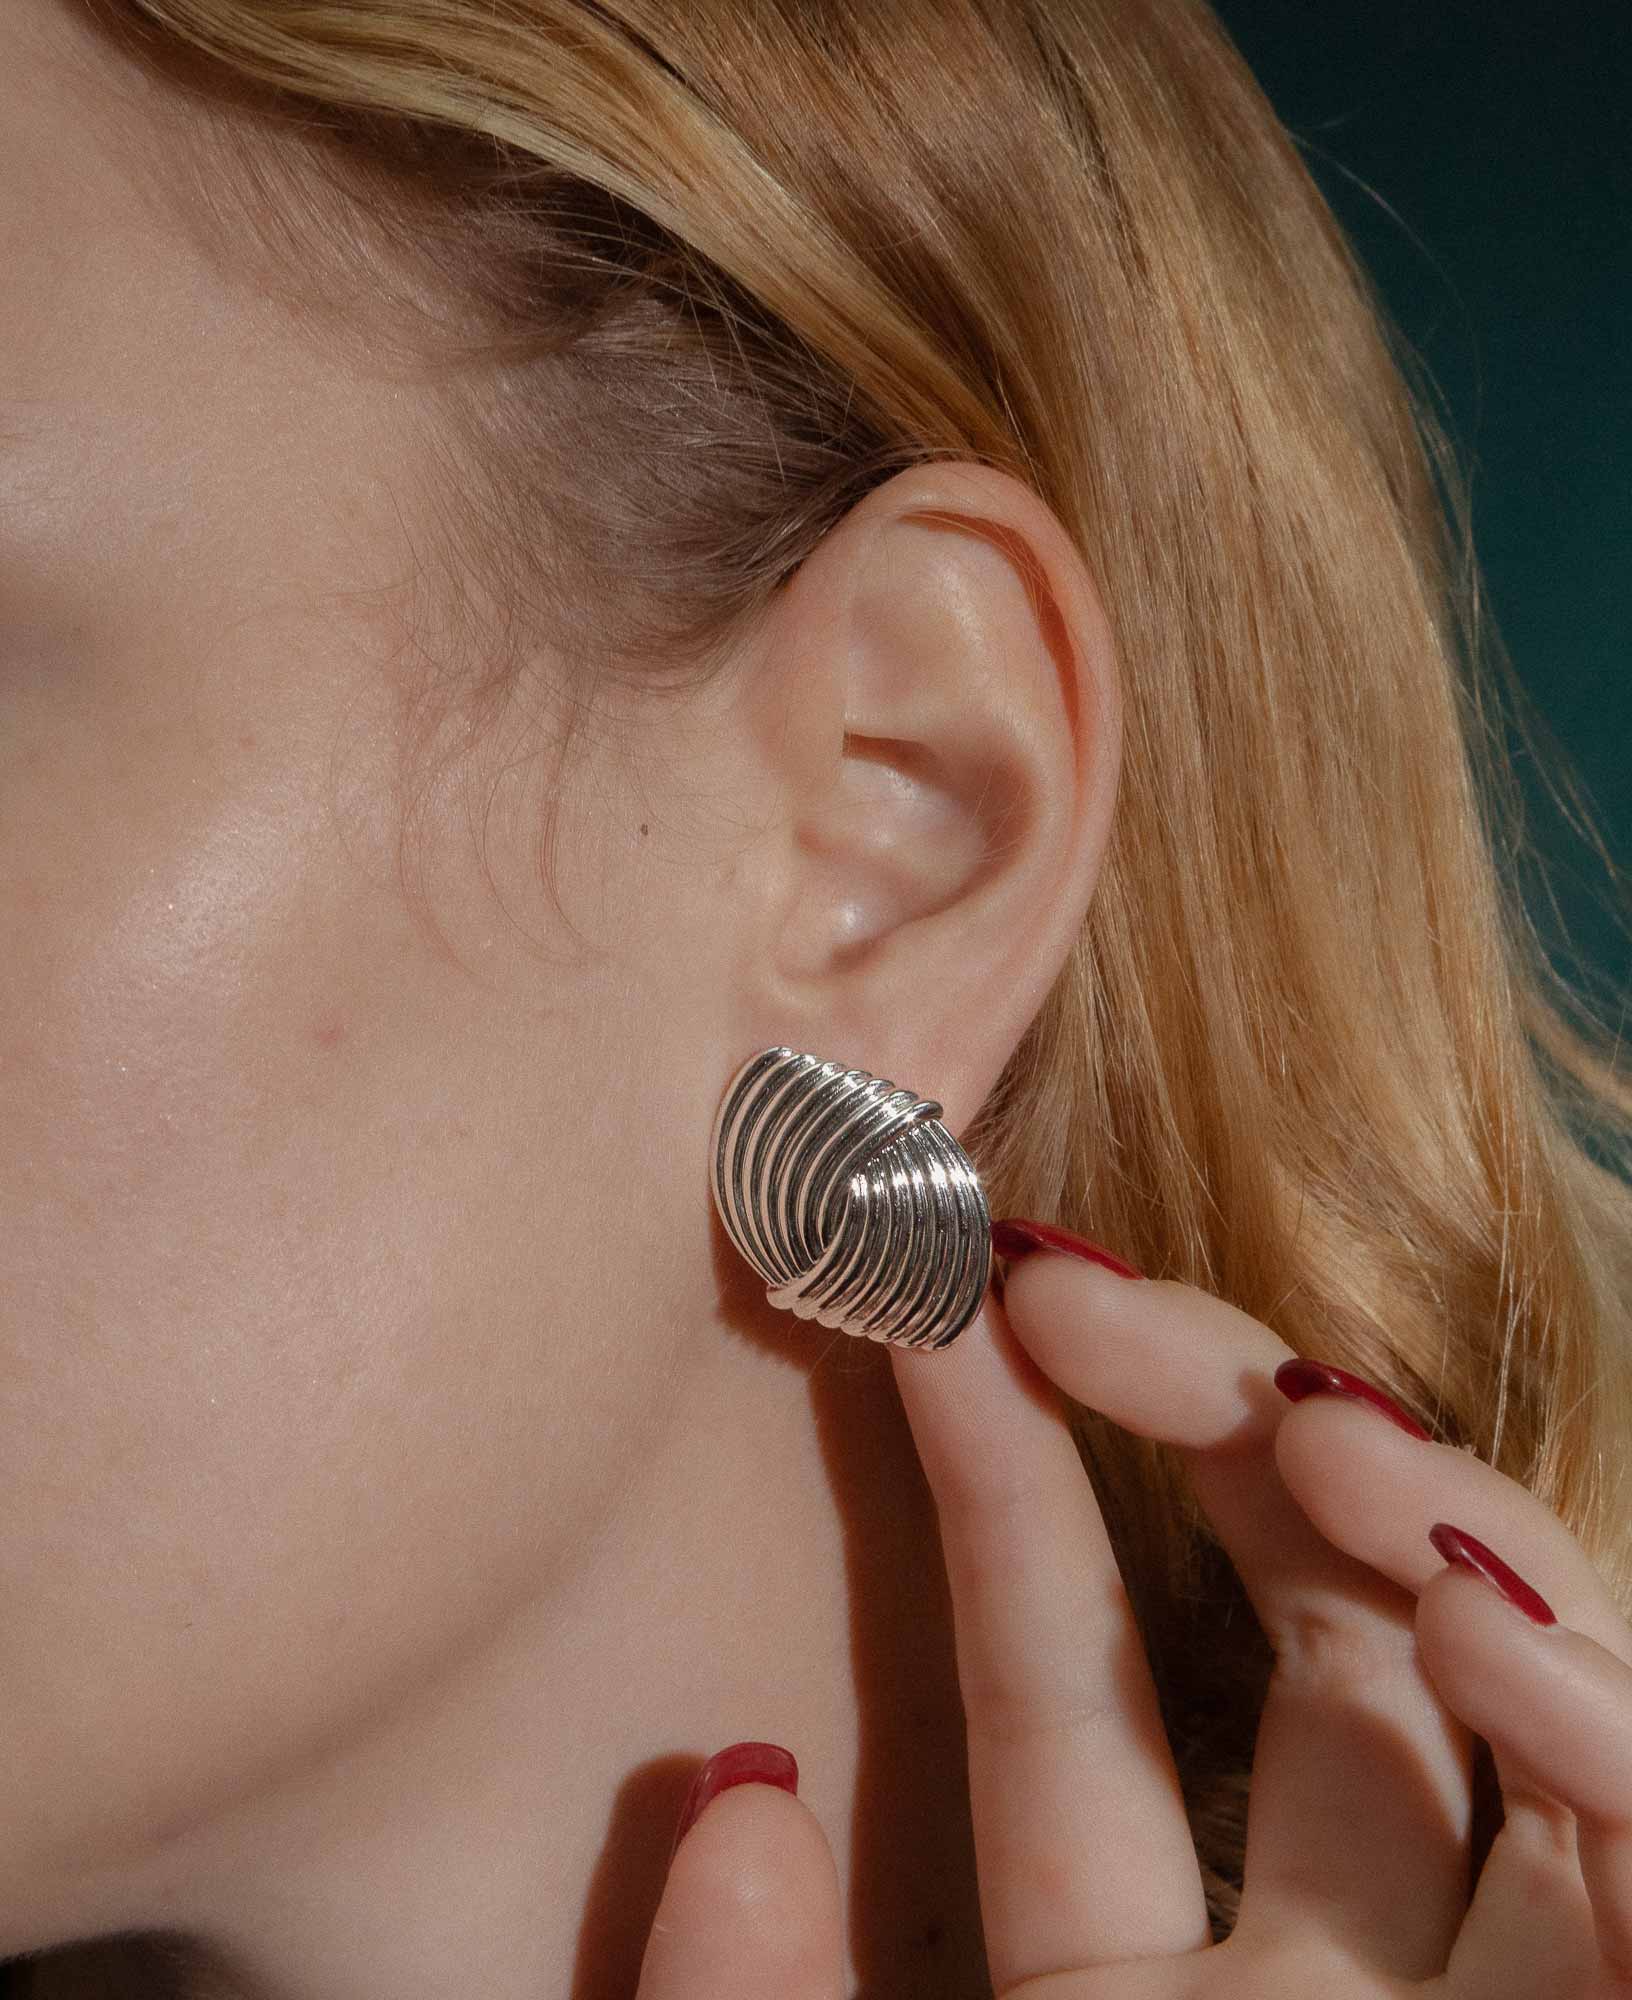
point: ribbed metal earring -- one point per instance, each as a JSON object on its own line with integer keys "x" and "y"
{"x": 851, "y": 1200}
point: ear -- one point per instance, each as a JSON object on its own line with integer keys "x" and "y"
{"x": 935, "y": 705}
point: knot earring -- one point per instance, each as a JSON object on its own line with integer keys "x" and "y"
{"x": 851, "y": 1200}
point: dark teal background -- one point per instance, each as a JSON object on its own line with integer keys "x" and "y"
{"x": 1479, "y": 158}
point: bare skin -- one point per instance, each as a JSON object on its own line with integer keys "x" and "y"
{"x": 404, "y": 1485}
{"x": 1390, "y": 1658}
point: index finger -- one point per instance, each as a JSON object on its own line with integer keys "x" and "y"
{"x": 1082, "y": 1842}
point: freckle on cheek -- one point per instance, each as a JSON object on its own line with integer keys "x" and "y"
{"x": 329, "y": 1034}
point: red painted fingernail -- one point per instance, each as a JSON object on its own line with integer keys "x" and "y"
{"x": 1014, "y": 1237}
{"x": 1300, "y": 1378}
{"x": 737, "y": 1764}
{"x": 1456, "y": 1545}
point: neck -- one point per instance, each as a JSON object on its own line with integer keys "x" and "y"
{"x": 772, "y": 1570}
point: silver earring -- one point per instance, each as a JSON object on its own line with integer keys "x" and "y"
{"x": 851, "y": 1200}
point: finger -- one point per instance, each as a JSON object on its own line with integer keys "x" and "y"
{"x": 1339, "y": 1463}
{"x": 751, "y": 1906}
{"x": 1083, "y": 1847}
{"x": 1360, "y": 1797}
{"x": 1556, "y": 1708}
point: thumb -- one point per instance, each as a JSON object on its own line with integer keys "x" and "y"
{"x": 751, "y": 1906}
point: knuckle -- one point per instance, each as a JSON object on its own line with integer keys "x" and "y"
{"x": 983, "y": 1505}
{"x": 999, "y": 1714}
{"x": 1331, "y": 1649}
{"x": 1541, "y": 1828}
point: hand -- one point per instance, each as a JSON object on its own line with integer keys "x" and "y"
{"x": 1388, "y": 1661}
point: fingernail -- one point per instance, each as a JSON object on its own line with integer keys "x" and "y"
{"x": 737, "y": 1764}
{"x": 1299, "y": 1378}
{"x": 1456, "y": 1545}
{"x": 1015, "y": 1237}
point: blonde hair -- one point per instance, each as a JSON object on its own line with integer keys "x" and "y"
{"x": 725, "y": 268}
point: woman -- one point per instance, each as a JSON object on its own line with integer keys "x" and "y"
{"x": 551, "y": 546}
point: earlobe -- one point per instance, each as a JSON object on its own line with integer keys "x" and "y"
{"x": 949, "y": 770}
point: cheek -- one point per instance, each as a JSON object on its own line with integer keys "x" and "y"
{"x": 284, "y": 1419}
